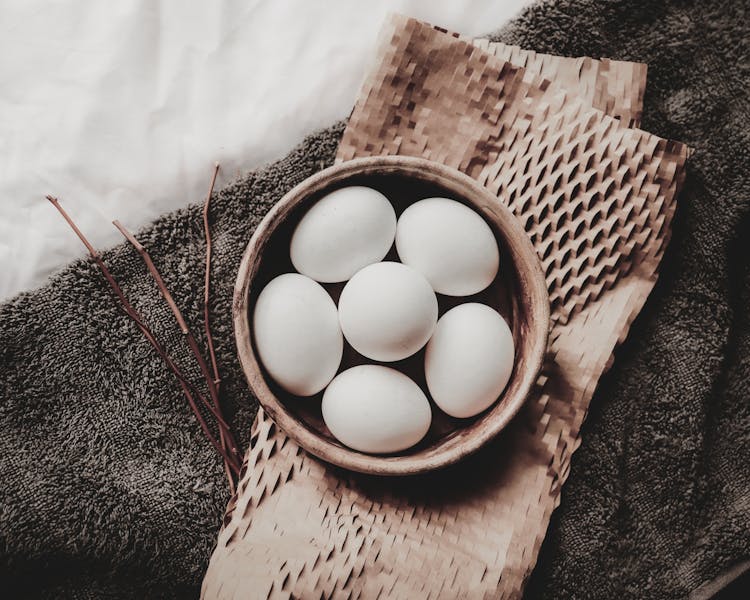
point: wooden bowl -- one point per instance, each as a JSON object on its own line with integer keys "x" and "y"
{"x": 519, "y": 293}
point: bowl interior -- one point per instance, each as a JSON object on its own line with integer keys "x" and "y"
{"x": 448, "y": 438}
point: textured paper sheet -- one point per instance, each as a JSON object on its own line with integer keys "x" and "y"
{"x": 597, "y": 199}
{"x": 613, "y": 87}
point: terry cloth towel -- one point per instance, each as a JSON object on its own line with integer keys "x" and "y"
{"x": 109, "y": 490}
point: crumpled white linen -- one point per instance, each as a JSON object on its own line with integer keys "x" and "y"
{"x": 121, "y": 108}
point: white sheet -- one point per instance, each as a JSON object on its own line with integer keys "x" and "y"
{"x": 121, "y": 108}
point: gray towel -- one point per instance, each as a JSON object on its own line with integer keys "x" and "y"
{"x": 110, "y": 490}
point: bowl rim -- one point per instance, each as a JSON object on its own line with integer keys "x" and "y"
{"x": 525, "y": 259}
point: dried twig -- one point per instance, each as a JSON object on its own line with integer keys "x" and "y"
{"x": 207, "y": 280}
{"x": 188, "y": 390}
{"x": 206, "y": 300}
{"x": 212, "y": 390}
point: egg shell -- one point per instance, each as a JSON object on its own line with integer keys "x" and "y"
{"x": 469, "y": 359}
{"x": 387, "y": 311}
{"x": 342, "y": 232}
{"x": 450, "y": 244}
{"x": 297, "y": 334}
{"x": 376, "y": 409}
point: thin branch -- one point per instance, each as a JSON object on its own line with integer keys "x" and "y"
{"x": 147, "y": 333}
{"x": 155, "y": 274}
{"x": 180, "y": 322}
{"x": 206, "y": 299}
{"x": 207, "y": 279}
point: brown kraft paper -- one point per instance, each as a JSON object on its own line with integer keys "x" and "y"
{"x": 597, "y": 200}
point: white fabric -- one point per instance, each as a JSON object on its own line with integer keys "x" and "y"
{"x": 121, "y": 108}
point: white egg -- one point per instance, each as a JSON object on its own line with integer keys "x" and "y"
{"x": 450, "y": 244}
{"x": 376, "y": 409}
{"x": 387, "y": 311}
{"x": 297, "y": 334}
{"x": 342, "y": 232}
{"x": 469, "y": 359}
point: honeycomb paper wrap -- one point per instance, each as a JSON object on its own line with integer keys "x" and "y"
{"x": 597, "y": 199}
